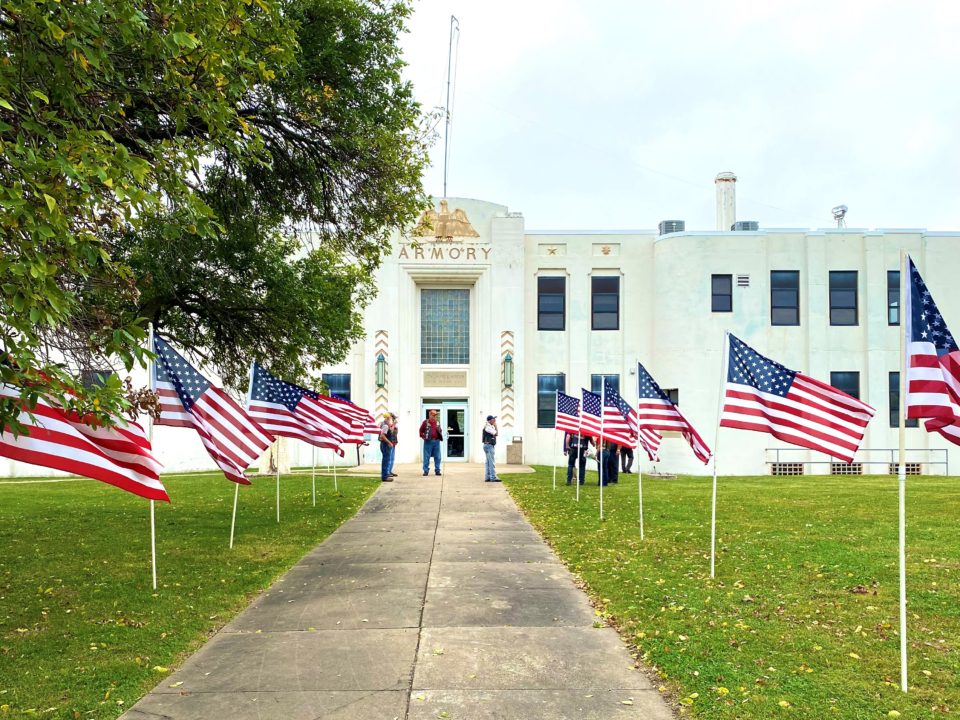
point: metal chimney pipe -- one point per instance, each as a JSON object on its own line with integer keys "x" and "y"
{"x": 726, "y": 183}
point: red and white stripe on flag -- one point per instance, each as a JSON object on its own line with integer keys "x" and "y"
{"x": 590, "y": 412}
{"x": 275, "y": 418}
{"x": 231, "y": 436}
{"x": 650, "y": 440}
{"x": 665, "y": 416}
{"x": 58, "y": 439}
{"x": 763, "y": 395}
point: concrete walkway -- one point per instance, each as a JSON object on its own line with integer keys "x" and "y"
{"x": 437, "y": 600}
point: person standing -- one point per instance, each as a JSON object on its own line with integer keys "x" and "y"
{"x": 613, "y": 468}
{"x": 432, "y": 435}
{"x": 387, "y": 444}
{"x": 626, "y": 460}
{"x": 575, "y": 448}
{"x": 489, "y": 447}
{"x": 393, "y": 435}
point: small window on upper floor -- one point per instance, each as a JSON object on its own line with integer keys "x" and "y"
{"x": 551, "y": 303}
{"x": 605, "y": 303}
{"x": 721, "y": 293}
{"x": 784, "y": 297}
{"x": 843, "y": 297}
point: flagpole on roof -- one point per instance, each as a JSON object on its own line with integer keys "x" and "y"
{"x": 153, "y": 525}
{"x": 906, "y": 299}
{"x": 716, "y": 444}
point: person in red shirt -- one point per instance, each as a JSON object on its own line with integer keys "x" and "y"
{"x": 432, "y": 436}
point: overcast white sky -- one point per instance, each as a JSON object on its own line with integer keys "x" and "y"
{"x": 610, "y": 114}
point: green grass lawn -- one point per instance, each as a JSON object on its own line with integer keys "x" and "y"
{"x": 82, "y": 632}
{"x": 802, "y": 618}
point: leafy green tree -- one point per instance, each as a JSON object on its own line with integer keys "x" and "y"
{"x": 155, "y": 158}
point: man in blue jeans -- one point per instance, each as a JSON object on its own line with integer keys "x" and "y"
{"x": 489, "y": 447}
{"x": 388, "y": 441}
{"x": 432, "y": 435}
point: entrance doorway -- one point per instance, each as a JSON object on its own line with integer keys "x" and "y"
{"x": 454, "y": 420}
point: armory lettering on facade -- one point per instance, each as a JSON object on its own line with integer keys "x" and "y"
{"x": 436, "y": 252}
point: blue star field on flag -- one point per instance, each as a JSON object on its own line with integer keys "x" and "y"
{"x": 647, "y": 387}
{"x": 172, "y": 368}
{"x": 748, "y": 367}
{"x": 568, "y": 405}
{"x": 267, "y": 388}
{"x": 928, "y": 324}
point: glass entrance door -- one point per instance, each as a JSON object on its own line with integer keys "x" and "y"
{"x": 453, "y": 418}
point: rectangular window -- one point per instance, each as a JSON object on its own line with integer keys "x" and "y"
{"x": 673, "y": 394}
{"x": 843, "y": 297}
{"x": 721, "y": 293}
{"x": 547, "y": 386}
{"x": 606, "y": 303}
{"x": 551, "y": 303}
{"x": 893, "y": 297}
{"x": 596, "y": 382}
{"x": 784, "y": 297}
{"x": 848, "y": 381}
{"x": 338, "y": 384}
{"x": 894, "y": 395}
{"x": 444, "y": 327}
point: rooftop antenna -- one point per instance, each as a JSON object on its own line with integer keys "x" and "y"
{"x": 454, "y": 30}
{"x": 840, "y": 214}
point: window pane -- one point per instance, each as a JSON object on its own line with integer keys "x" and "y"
{"x": 550, "y": 322}
{"x": 596, "y": 382}
{"x": 552, "y": 284}
{"x": 785, "y": 279}
{"x": 848, "y": 381}
{"x": 843, "y": 299}
{"x": 721, "y": 303}
{"x": 606, "y": 284}
{"x": 893, "y": 297}
{"x": 721, "y": 284}
{"x": 843, "y": 316}
{"x": 551, "y": 303}
{"x": 444, "y": 327}
{"x": 338, "y": 384}
{"x": 547, "y": 386}
{"x": 843, "y": 279}
{"x": 605, "y": 303}
{"x": 784, "y": 316}
{"x": 605, "y": 321}
{"x": 784, "y": 298}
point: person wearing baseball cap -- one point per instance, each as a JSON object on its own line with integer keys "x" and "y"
{"x": 388, "y": 441}
{"x": 489, "y": 447}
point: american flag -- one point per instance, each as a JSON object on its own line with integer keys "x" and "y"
{"x": 59, "y": 439}
{"x": 590, "y": 415}
{"x": 233, "y": 438}
{"x": 283, "y": 408}
{"x": 764, "y": 396}
{"x": 619, "y": 419}
{"x": 568, "y": 413}
{"x": 656, "y": 411}
{"x": 933, "y": 362}
{"x": 337, "y": 418}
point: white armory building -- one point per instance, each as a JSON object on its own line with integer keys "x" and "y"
{"x": 477, "y": 315}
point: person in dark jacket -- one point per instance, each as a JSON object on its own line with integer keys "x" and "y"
{"x": 432, "y": 435}
{"x": 575, "y": 448}
{"x": 489, "y": 447}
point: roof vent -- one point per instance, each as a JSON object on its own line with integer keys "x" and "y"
{"x": 672, "y": 226}
{"x": 745, "y": 225}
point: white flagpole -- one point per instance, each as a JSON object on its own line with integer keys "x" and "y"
{"x": 555, "y": 453}
{"x": 151, "y": 370}
{"x": 313, "y": 457}
{"x": 278, "y": 479}
{"x": 716, "y": 445}
{"x": 580, "y": 480}
{"x": 236, "y": 490}
{"x": 906, "y": 301}
{"x": 334, "y": 463}
{"x": 233, "y": 521}
{"x": 640, "y": 493}
{"x": 556, "y": 409}
{"x": 603, "y": 399}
